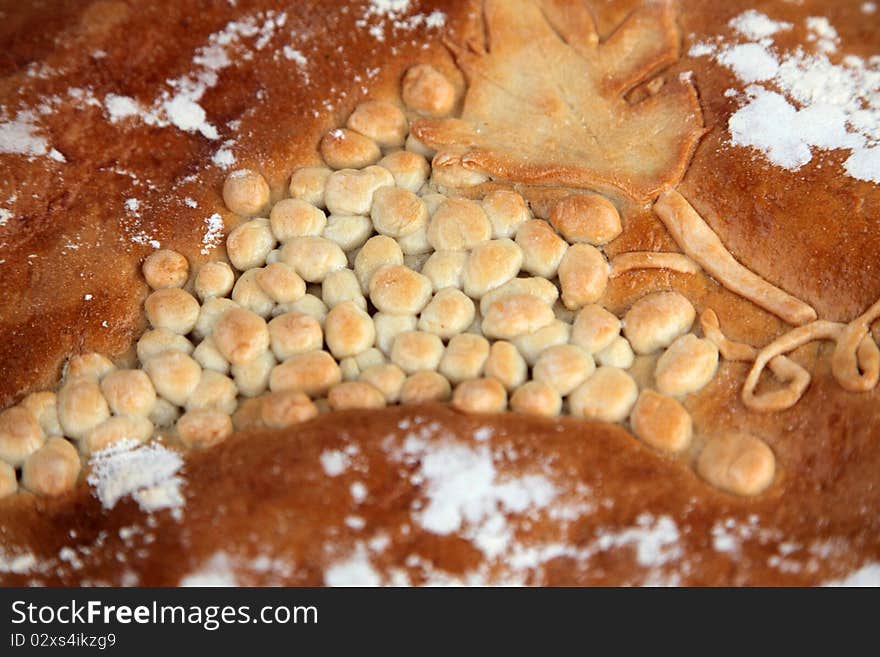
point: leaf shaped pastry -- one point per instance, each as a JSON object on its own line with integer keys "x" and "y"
{"x": 546, "y": 101}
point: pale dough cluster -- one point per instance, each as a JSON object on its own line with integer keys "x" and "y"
{"x": 366, "y": 287}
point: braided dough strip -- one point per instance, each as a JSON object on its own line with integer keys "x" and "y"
{"x": 652, "y": 260}
{"x": 701, "y": 243}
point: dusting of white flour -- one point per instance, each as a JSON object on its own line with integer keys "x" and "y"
{"x": 396, "y": 14}
{"x": 822, "y": 33}
{"x": 178, "y": 105}
{"x": 217, "y": 571}
{"x": 353, "y": 570}
{"x": 756, "y": 26}
{"x": 21, "y": 136}
{"x": 655, "y": 540}
{"x": 224, "y": 157}
{"x": 799, "y": 102}
{"x": 465, "y": 492}
{"x": 463, "y": 495}
{"x": 334, "y": 462}
{"x": 18, "y": 564}
{"x": 867, "y": 575}
{"x": 213, "y": 233}
{"x": 148, "y": 473}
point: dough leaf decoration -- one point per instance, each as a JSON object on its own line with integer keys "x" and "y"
{"x": 546, "y": 102}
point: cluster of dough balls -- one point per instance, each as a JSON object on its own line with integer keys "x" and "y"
{"x": 367, "y": 286}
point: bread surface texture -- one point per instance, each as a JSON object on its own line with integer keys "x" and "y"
{"x": 689, "y": 396}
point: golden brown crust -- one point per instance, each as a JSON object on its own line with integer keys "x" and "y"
{"x": 276, "y": 504}
{"x": 70, "y": 235}
{"x": 69, "y": 220}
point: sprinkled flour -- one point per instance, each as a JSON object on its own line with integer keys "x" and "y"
{"x": 655, "y": 540}
{"x": 294, "y": 55}
{"x": 217, "y": 571}
{"x": 19, "y": 136}
{"x": 358, "y": 492}
{"x": 354, "y": 570}
{"x": 121, "y": 107}
{"x": 799, "y": 102}
{"x": 213, "y": 233}
{"x": 17, "y": 564}
{"x": 178, "y": 105}
{"x": 224, "y": 157}
{"x": 379, "y": 13}
{"x": 146, "y": 240}
{"x": 132, "y": 206}
{"x": 334, "y": 462}
{"x": 867, "y": 575}
{"x": 463, "y": 495}
{"x": 822, "y": 33}
{"x": 751, "y": 62}
{"x": 148, "y": 473}
{"x": 756, "y": 26}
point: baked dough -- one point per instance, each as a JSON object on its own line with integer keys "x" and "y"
{"x": 772, "y": 482}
